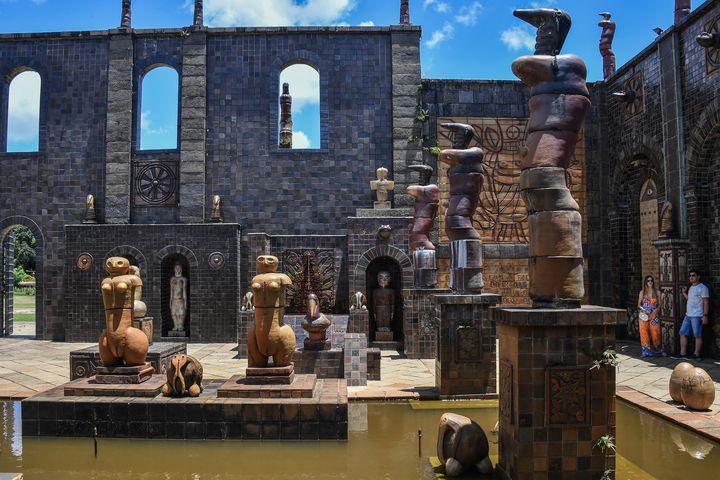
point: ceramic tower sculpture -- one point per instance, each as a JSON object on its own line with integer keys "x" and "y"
{"x": 606, "y": 39}
{"x": 559, "y": 100}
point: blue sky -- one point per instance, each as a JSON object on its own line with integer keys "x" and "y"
{"x": 471, "y": 39}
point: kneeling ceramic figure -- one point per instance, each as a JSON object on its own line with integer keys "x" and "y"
{"x": 120, "y": 342}
{"x": 184, "y": 375}
{"x": 461, "y": 445}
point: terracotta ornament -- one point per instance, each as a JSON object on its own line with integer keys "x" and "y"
{"x": 120, "y": 342}
{"x": 382, "y": 186}
{"x": 178, "y": 298}
{"x": 215, "y": 213}
{"x": 462, "y": 445}
{"x": 90, "y": 216}
{"x": 680, "y": 371}
{"x": 466, "y": 179}
{"x": 558, "y": 104}
{"x": 247, "y": 303}
{"x": 697, "y": 390}
{"x": 315, "y": 324}
{"x": 359, "y": 302}
{"x": 286, "y": 124}
{"x": 198, "y": 16}
{"x": 184, "y": 377}
{"x": 606, "y": 39}
{"x": 427, "y": 198}
{"x": 125, "y": 20}
{"x": 268, "y": 336}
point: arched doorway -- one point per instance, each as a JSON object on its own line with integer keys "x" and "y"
{"x": 21, "y": 285}
{"x": 372, "y": 285}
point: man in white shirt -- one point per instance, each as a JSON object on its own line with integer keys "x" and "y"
{"x": 696, "y": 314}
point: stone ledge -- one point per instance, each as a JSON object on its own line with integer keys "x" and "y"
{"x": 585, "y": 316}
{"x": 466, "y": 299}
{"x": 384, "y": 212}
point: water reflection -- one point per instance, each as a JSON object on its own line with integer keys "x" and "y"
{"x": 692, "y": 444}
{"x": 11, "y": 439}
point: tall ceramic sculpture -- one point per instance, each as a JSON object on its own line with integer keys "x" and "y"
{"x": 90, "y": 216}
{"x": 404, "y": 12}
{"x": 120, "y": 343}
{"x": 558, "y": 104}
{"x": 315, "y": 324}
{"x": 606, "y": 39}
{"x": 269, "y": 337}
{"x": 466, "y": 178}
{"x": 198, "y": 16}
{"x": 682, "y": 10}
{"x": 427, "y": 198}
{"x": 286, "y": 124}
{"x": 178, "y": 298}
{"x": 125, "y": 15}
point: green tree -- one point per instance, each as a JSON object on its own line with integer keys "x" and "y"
{"x": 24, "y": 248}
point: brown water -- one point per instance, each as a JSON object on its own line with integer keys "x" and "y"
{"x": 383, "y": 444}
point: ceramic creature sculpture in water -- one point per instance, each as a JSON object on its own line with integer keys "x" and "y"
{"x": 462, "y": 445}
{"x": 315, "y": 324}
{"x": 178, "y": 298}
{"x": 269, "y": 337}
{"x": 559, "y": 100}
{"x": 184, "y": 376}
{"x": 120, "y": 342}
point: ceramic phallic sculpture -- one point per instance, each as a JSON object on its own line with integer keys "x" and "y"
{"x": 384, "y": 303}
{"x": 139, "y": 307}
{"x": 359, "y": 302}
{"x": 315, "y": 324}
{"x": 268, "y": 336}
{"x": 559, "y": 100}
{"x": 465, "y": 175}
{"x": 427, "y": 198}
{"x": 606, "y": 39}
{"x": 215, "y": 213}
{"x": 178, "y": 298}
{"x": 120, "y": 342}
{"x": 90, "y": 216}
{"x": 462, "y": 445}
{"x": 247, "y": 303}
{"x": 184, "y": 377}
{"x": 382, "y": 186}
{"x": 286, "y": 124}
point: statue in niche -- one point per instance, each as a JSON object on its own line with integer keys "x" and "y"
{"x": 268, "y": 336}
{"x": 286, "y": 124}
{"x": 121, "y": 343}
{"x": 384, "y": 303}
{"x": 215, "y": 214}
{"x": 606, "y": 39}
{"x": 667, "y": 226}
{"x": 90, "y": 216}
{"x": 125, "y": 15}
{"x": 382, "y": 186}
{"x": 178, "y": 298}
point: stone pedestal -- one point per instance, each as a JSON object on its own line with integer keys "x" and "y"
{"x": 672, "y": 258}
{"x": 124, "y": 375}
{"x": 424, "y": 269}
{"x": 466, "y": 263}
{"x": 382, "y": 205}
{"x": 270, "y": 375}
{"x": 553, "y": 407}
{"x": 146, "y": 325}
{"x": 465, "y": 364}
{"x": 84, "y": 362}
{"x": 383, "y": 336}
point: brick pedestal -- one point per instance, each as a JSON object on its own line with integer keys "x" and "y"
{"x": 465, "y": 364}
{"x": 553, "y": 408}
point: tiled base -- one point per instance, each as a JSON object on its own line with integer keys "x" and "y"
{"x": 83, "y": 363}
{"x": 324, "y": 363}
{"x": 238, "y": 387}
{"x": 89, "y": 387}
{"x": 322, "y": 417}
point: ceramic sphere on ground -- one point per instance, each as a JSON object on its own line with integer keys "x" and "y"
{"x": 681, "y": 370}
{"x": 698, "y": 390}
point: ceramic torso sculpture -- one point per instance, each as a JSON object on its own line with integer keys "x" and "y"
{"x": 462, "y": 445}
{"x": 178, "y": 298}
{"x": 465, "y": 174}
{"x": 427, "y": 198}
{"x": 606, "y": 40}
{"x": 269, "y": 337}
{"x": 382, "y": 186}
{"x": 559, "y": 100}
{"x": 384, "y": 303}
{"x": 120, "y": 342}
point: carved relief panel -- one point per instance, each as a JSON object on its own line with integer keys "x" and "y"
{"x": 311, "y": 271}
{"x": 567, "y": 396}
{"x": 155, "y": 184}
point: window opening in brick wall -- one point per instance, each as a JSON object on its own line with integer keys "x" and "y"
{"x": 159, "y": 109}
{"x": 23, "y": 116}
{"x": 304, "y": 85}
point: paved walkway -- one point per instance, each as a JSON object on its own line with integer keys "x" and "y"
{"x": 29, "y": 366}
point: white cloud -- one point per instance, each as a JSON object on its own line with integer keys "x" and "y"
{"x": 518, "y": 38}
{"x": 543, "y": 3}
{"x": 441, "y": 7}
{"x": 274, "y": 12}
{"x": 300, "y": 140}
{"x": 469, "y": 14}
{"x": 438, "y": 36}
{"x": 304, "y": 85}
{"x": 24, "y": 107}
{"x": 147, "y": 124}
{"x": 369, "y": 23}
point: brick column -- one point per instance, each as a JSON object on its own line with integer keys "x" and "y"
{"x": 193, "y": 104}
{"x": 553, "y": 407}
{"x": 406, "y": 79}
{"x": 119, "y": 127}
{"x": 466, "y": 356}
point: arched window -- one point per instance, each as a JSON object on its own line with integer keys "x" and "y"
{"x": 23, "y": 119}
{"x": 159, "y": 109}
{"x": 304, "y": 85}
